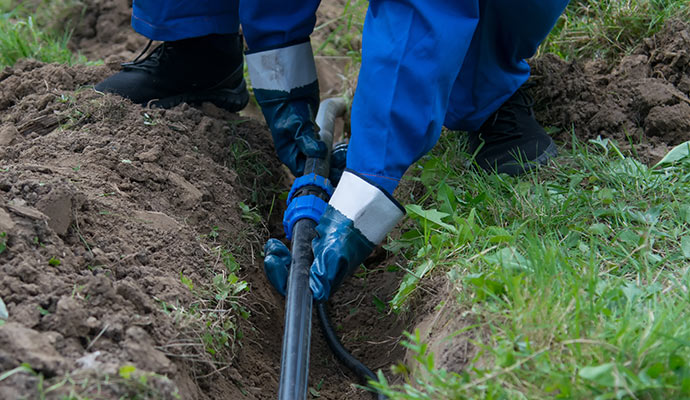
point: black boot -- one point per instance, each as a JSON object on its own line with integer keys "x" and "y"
{"x": 511, "y": 141}
{"x": 208, "y": 68}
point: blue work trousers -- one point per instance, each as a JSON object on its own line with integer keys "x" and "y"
{"x": 425, "y": 63}
{"x": 431, "y": 63}
{"x": 266, "y": 24}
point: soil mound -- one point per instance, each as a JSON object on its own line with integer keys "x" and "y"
{"x": 105, "y": 206}
{"x": 642, "y": 101}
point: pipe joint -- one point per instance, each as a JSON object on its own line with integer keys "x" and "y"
{"x": 308, "y": 198}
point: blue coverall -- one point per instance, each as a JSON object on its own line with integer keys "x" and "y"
{"x": 425, "y": 63}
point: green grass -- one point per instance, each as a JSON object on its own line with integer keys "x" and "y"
{"x": 3, "y": 242}
{"x": 22, "y": 37}
{"x": 345, "y": 37}
{"x": 576, "y": 275}
{"x": 608, "y": 28}
{"x": 209, "y": 332}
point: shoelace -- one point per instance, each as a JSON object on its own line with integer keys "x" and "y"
{"x": 506, "y": 116}
{"x": 152, "y": 60}
{"x": 148, "y": 45}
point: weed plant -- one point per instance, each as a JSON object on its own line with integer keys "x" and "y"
{"x": 577, "y": 275}
{"x": 21, "y": 38}
{"x": 345, "y": 37}
{"x": 209, "y": 331}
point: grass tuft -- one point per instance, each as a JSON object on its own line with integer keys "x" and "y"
{"x": 577, "y": 275}
{"x": 21, "y": 38}
{"x": 609, "y": 28}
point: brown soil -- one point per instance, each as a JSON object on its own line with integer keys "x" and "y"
{"x": 642, "y": 101}
{"x": 104, "y": 32}
{"x": 124, "y": 197}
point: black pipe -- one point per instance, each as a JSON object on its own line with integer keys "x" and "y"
{"x": 294, "y": 359}
{"x": 294, "y": 369}
{"x": 363, "y": 373}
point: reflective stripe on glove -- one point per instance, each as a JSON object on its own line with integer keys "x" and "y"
{"x": 358, "y": 217}
{"x": 286, "y": 88}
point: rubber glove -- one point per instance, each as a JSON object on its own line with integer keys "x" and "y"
{"x": 338, "y": 162}
{"x": 277, "y": 261}
{"x": 358, "y": 217}
{"x": 285, "y": 86}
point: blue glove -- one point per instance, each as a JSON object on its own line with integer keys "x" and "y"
{"x": 285, "y": 86}
{"x": 277, "y": 261}
{"x": 358, "y": 217}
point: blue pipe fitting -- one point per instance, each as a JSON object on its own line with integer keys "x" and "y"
{"x": 306, "y": 206}
{"x": 310, "y": 180}
{"x": 309, "y": 206}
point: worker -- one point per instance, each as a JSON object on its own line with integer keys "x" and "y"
{"x": 425, "y": 64}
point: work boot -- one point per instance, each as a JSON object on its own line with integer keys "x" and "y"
{"x": 511, "y": 141}
{"x": 208, "y": 68}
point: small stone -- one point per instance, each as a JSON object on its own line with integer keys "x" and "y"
{"x": 157, "y": 220}
{"x": 92, "y": 322}
{"x": 7, "y": 134}
{"x": 28, "y": 212}
{"x": 3, "y": 311}
{"x": 19, "y": 344}
{"x": 6, "y": 222}
{"x": 150, "y": 155}
{"x": 89, "y": 361}
{"x": 142, "y": 352}
{"x": 57, "y": 206}
{"x": 188, "y": 195}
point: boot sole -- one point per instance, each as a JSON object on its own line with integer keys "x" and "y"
{"x": 232, "y": 100}
{"x": 519, "y": 168}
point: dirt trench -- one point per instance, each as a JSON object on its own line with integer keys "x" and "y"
{"x": 107, "y": 205}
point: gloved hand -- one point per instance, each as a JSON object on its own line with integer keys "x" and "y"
{"x": 338, "y": 162}
{"x": 345, "y": 248}
{"x": 277, "y": 261}
{"x": 358, "y": 217}
{"x": 286, "y": 88}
